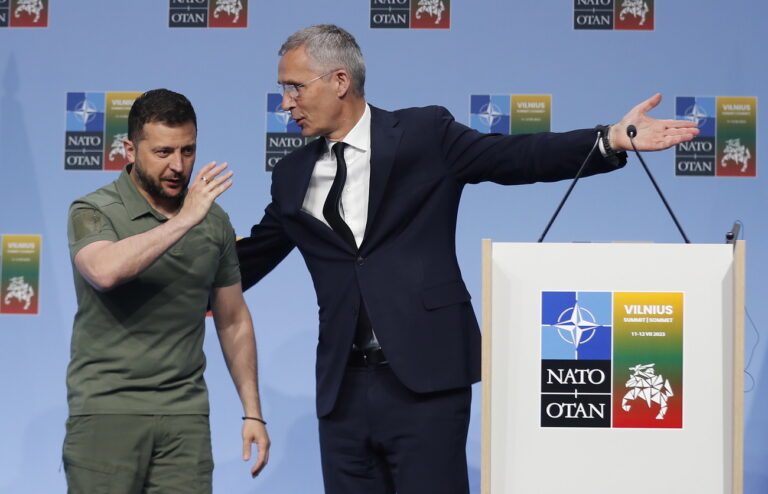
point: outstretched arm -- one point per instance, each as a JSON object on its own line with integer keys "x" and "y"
{"x": 235, "y": 330}
{"x": 652, "y": 134}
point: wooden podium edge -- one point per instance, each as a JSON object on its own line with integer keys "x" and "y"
{"x": 485, "y": 456}
{"x": 739, "y": 304}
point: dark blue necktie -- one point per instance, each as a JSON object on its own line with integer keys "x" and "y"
{"x": 333, "y": 201}
{"x": 363, "y": 331}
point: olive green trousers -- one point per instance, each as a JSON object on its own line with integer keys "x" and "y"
{"x": 138, "y": 454}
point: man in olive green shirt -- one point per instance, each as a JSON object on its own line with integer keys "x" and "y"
{"x": 149, "y": 251}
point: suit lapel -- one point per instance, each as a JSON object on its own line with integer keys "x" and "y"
{"x": 302, "y": 165}
{"x": 385, "y": 137}
{"x": 304, "y": 162}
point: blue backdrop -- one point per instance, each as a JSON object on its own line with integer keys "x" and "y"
{"x": 703, "y": 48}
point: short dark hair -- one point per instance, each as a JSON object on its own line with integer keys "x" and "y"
{"x": 159, "y": 105}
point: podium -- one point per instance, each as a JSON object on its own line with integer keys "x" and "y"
{"x": 612, "y": 368}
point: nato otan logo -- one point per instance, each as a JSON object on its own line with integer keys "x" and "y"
{"x": 576, "y": 337}
{"x": 208, "y": 13}
{"x": 727, "y": 142}
{"x": 23, "y": 13}
{"x": 85, "y": 131}
{"x": 283, "y": 135}
{"x": 612, "y": 359}
{"x": 633, "y": 15}
{"x": 510, "y": 114}
{"x": 410, "y": 14}
{"x": 97, "y": 125}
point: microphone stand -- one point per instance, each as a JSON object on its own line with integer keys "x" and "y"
{"x": 631, "y": 133}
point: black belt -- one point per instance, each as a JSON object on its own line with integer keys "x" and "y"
{"x": 366, "y": 358}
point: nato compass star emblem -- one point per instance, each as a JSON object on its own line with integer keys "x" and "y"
{"x": 490, "y": 114}
{"x": 282, "y": 116}
{"x": 696, "y": 114}
{"x": 576, "y": 326}
{"x": 85, "y": 111}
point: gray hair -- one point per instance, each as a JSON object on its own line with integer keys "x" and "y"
{"x": 330, "y": 47}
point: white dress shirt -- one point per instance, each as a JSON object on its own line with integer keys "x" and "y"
{"x": 354, "y": 197}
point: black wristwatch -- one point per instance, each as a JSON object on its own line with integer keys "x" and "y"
{"x": 610, "y": 155}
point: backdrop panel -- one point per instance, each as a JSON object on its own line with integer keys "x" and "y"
{"x": 708, "y": 48}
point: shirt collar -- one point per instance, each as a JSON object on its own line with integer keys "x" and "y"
{"x": 135, "y": 204}
{"x": 360, "y": 135}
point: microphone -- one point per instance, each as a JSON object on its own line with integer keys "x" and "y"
{"x": 631, "y": 133}
{"x": 573, "y": 184}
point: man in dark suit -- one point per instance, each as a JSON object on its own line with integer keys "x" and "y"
{"x": 372, "y": 207}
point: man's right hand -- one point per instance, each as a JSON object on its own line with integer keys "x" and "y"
{"x": 106, "y": 264}
{"x": 208, "y": 184}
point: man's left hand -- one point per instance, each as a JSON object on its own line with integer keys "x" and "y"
{"x": 255, "y": 432}
{"x": 652, "y": 134}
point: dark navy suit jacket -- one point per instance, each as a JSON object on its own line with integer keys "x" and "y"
{"x": 405, "y": 270}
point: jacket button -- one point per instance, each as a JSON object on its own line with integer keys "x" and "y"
{"x": 360, "y": 260}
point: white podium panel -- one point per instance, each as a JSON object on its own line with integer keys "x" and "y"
{"x": 608, "y": 368}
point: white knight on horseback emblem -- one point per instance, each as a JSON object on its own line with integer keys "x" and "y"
{"x": 31, "y": 7}
{"x": 117, "y": 146}
{"x": 648, "y": 386}
{"x": 21, "y": 291}
{"x": 736, "y": 152}
{"x": 231, "y": 7}
{"x": 635, "y": 8}
{"x": 431, "y": 7}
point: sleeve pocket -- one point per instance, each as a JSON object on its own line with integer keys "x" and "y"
{"x": 446, "y": 294}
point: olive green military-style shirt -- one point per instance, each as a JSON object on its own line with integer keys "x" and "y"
{"x": 138, "y": 348}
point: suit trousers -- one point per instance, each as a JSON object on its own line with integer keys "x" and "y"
{"x": 382, "y": 438}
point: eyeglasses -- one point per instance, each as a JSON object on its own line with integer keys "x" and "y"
{"x": 293, "y": 89}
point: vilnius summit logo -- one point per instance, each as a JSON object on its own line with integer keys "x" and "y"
{"x": 208, "y": 13}
{"x": 727, "y": 142}
{"x": 97, "y": 125}
{"x": 612, "y": 359}
{"x": 633, "y": 15}
{"x": 410, "y": 14}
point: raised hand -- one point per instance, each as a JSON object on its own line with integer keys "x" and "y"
{"x": 208, "y": 184}
{"x": 652, "y": 134}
